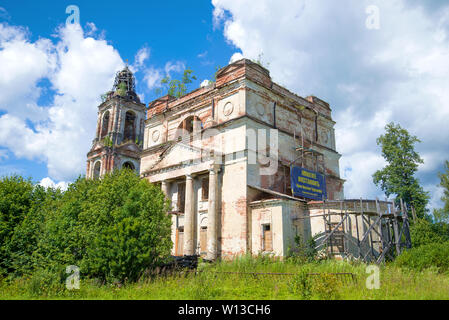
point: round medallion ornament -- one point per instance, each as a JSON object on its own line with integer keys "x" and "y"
{"x": 260, "y": 108}
{"x": 155, "y": 135}
{"x": 228, "y": 109}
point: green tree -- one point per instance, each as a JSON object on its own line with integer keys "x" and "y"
{"x": 174, "y": 87}
{"x": 16, "y": 198}
{"x": 112, "y": 228}
{"x": 26, "y": 234}
{"x": 442, "y": 215}
{"x": 424, "y": 232}
{"x": 398, "y": 176}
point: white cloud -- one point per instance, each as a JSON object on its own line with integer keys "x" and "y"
{"x": 235, "y": 57}
{"x": 49, "y": 183}
{"x": 202, "y": 54}
{"x": 79, "y": 69}
{"x": 152, "y": 77}
{"x": 370, "y": 77}
{"x": 205, "y": 83}
{"x": 141, "y": 56}
{"x": 177, "y": 66}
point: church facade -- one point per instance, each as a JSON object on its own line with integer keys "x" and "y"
{"x": 223, "y": 155}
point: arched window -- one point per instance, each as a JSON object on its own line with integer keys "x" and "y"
{"x": 128, "y": 165}
{"x": 188, "y": 126}
{"x": 105, "y": 124}
{"x": 130, "y": 127}
{"x": 97, "y": 168}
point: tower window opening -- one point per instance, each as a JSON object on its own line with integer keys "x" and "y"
{"x": 97, "y": 168}
{"x": 130, "y": 126}
{"x": 128, "y": 165}
{"x": 105, "y": 125}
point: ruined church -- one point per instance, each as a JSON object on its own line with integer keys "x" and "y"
{"x": 248, "y": 166}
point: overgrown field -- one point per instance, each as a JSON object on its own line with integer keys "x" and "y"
{"x": 395, "y": 283}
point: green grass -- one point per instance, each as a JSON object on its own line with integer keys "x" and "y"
{"x": 395, "y": 283}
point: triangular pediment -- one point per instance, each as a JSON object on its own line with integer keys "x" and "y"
{"x": 179, "y": 154}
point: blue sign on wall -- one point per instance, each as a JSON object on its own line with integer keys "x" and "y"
{"x": 308, "y": 184}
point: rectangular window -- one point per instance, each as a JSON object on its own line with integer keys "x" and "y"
{"x": 267, "y": 238}
{"x": 181, "y": 196}
{"x": 205, "y": 189}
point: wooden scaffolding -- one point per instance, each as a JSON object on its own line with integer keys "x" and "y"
{"x": 367, "y": 230}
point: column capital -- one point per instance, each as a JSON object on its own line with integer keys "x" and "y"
{"x": 214, "y": 168}
{"x": 189, "y": 176}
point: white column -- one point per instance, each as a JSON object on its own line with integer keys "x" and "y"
{"x": 189, "y": 227}
{"x": 165, "y": 187}
{"x": 212, "y": 214}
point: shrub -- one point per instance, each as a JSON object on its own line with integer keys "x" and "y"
{"x": 44, "y": 283}
{"x": 303, "y": 251}
{"x": 325, "y": 286}
{"x": 320, "y": 285}
{"x": 21, "y": 222}
{"x": 434, "y": 255}
{"x": 424, "y": 232}
{"x": 301, "y": 285}
{"x": 111, "y": 228}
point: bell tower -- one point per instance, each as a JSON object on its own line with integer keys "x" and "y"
{"x": 120, "y": 125}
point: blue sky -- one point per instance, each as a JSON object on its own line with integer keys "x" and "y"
{"x": 173, "y": 32}
{"x": 52, "y": 74}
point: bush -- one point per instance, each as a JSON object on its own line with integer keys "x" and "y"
{"x": 319, "y": 285}
{"x": 424, "y": 232}
{"x": 111, "y": 228}
{"x": 44, "y": 283}
{"x": 304, "y": 250}
{"x": 434, "y": 255}
{"x": 301, "y": 285}
{"x": 20, "y": 222}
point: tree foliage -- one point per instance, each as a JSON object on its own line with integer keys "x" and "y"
{"x": 398, "y": 176}
{"x": 424, "y": 232}
{"x": 112, "y": 228}
{"x": 442, "y": 215}
{"x": 16, "y": 199}
{"x": 434, "y": 255}
{"x": 175, "y": 87}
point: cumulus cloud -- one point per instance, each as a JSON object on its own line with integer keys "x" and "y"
{"x": 370, "y": 77}
{"x": 79, "y": 69}
{"x": 235, "y": 57}
{"x": 49, "y": 183}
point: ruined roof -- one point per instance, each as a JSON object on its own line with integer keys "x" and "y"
{"x": 235, "y": 71}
